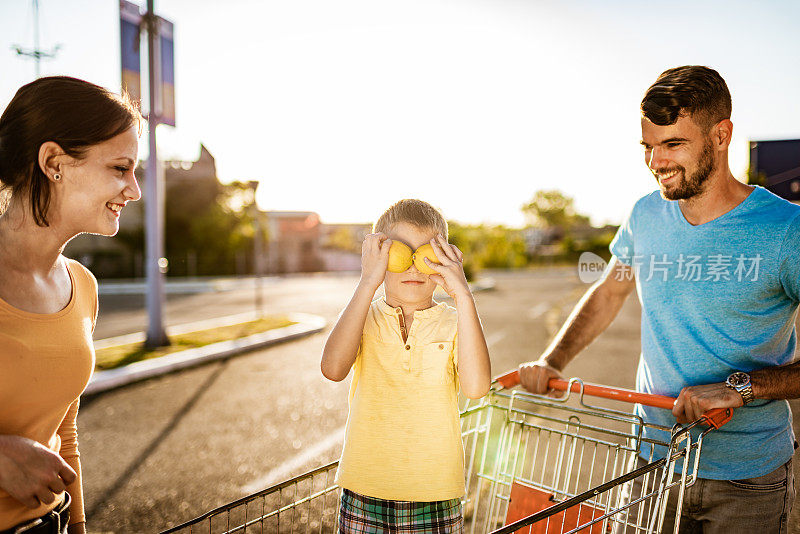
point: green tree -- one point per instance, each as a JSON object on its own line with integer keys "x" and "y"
{"x": 553, "y": 209}
{"x": 342, "y": 239}
{"x": 214, "y": 222}
{"x": 488, "y": 247}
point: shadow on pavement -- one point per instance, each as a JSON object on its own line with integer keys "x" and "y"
{"x": 121, "y": 480}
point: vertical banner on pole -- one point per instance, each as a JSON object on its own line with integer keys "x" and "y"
{"x": 130, "y": 19}
{"x": 166, "y": 79}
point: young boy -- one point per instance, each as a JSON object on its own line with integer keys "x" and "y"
{"x": 402, "y": 467}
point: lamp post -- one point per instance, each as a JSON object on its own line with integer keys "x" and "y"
{"x": 154, "y": 209}
{"x": 258, "y": 264}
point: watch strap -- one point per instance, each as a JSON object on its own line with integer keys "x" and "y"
{"x": 745, "y": 390}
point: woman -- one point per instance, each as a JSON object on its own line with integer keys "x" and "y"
{"x": 68, "y": 149}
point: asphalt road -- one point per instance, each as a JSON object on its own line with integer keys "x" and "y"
{"x": 160, "y": 452}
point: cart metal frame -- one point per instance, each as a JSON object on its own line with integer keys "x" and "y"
{"x": 534, "y": 464}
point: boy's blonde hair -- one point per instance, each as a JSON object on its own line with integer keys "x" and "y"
{"x": 412, "y": 211}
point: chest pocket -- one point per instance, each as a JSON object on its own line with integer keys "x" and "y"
{"x": 437, "y": 364}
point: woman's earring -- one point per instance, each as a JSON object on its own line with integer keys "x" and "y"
{"x": 57, "y": 176}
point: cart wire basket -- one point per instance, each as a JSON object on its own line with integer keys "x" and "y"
{"x": 534, "y": 464}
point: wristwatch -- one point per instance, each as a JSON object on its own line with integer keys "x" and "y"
{"x": 740, "y": 381}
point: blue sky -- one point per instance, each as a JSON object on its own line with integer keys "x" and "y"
{"x": 344, "y": 107}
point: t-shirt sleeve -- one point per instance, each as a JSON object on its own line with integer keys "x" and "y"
{"x": 790, "y": 260}
{"x": 622, "y": 244}
{"x": 68, "y": 431}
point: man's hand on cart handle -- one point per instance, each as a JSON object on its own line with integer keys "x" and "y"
{"x": 695, "y": 401}
{"x": 714, "y": 416}
{"x": 536, "y": 376}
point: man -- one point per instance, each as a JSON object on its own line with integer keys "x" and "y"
{"x": 716, "y": 264}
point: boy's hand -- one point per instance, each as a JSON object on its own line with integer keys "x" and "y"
{"x": 374, "y": 258}
{"x": 451, "y": 271}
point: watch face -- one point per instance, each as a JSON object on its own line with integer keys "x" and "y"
{"x": 738, "y": 379}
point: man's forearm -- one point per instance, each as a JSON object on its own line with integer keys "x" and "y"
{"x": 769, "y": 383}
{"x": 776, "y": 382}
{"x": 590, "y": 317}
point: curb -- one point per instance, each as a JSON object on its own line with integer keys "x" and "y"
{"x": 115, "y": 378}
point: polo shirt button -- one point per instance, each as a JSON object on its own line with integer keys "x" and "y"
{"x": 441, "y": 346}
{"x": 408, "y": 347}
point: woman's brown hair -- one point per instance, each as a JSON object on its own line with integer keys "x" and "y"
{"x": 72, "y": 113}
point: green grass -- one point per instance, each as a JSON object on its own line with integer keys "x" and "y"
{"x": 113, "y": 357}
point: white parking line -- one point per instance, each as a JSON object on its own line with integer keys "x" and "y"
{"x": 294, "y": 464}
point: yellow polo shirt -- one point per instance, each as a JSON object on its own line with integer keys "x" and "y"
{"x": 403, "y": 435}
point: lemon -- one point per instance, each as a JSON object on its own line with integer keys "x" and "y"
{"x": 400, "y": 257}
{"x": 425, "y": 251}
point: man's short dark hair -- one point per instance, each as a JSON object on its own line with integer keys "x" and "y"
{"x": 691, "y": 90}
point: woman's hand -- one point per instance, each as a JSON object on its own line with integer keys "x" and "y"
{"x": 374, "y": 259}
{"x": 30, "y": 472}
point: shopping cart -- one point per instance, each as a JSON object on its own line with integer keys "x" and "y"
{"x": 534, "y": 464}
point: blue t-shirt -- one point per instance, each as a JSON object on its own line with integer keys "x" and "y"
{"x": 717, "y": 298}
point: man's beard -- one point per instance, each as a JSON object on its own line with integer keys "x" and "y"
{"x": 691, "y": 186}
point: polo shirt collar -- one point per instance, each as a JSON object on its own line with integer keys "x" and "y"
{"x": 433, "y": 311}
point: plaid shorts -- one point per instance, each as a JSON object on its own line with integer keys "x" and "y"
{"x": 364, "y": 515}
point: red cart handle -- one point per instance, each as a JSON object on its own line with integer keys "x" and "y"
{"x": 715, "y": 418}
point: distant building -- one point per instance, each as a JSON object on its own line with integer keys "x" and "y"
{"x": 341, "y": 245}
{"x": 777, "y": 165}
{"x": 113, "y": 257}
{"x": 294, "y": 242}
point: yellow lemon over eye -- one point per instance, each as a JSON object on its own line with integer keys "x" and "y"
{"x": 425, "y": 251}
{"x": 400, "y": 257}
